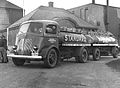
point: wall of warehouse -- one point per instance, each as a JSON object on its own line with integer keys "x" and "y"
{"x": 96, "y": 14}
{"x": 114, "y": 22}
{"x": 93, "y": 14}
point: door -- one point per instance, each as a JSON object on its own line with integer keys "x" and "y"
{"x": 51, "y": 35}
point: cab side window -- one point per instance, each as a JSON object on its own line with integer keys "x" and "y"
{"x": 51, "y": 29}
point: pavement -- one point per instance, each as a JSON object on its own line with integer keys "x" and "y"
{"x": 93, "y": 74}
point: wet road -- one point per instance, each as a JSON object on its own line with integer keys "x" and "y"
{"x": 94, "y": 74}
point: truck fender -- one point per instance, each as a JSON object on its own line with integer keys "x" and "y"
{"x": 77, "y": 51}
{"x": 45, "y": 51}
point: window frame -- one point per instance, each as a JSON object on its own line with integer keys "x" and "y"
{"x": 53, "y": 33}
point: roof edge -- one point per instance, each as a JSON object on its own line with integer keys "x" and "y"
{"x": 93, "y": 4}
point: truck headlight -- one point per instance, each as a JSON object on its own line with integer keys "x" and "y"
{"x": 35, "y": 48}
{"x": 14, "y": 47}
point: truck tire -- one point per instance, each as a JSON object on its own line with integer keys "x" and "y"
{"x": 18, "y": 62}
{"x": 96, "y": 54}
{"x": 83, "y": 55}
{"x": 115, "y": 52}
{"x": 51, "y": 59}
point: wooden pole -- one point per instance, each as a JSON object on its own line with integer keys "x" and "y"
{"x": 107, "y": 17}
{"x": 93, "y": 1}
{"x": 107, "y": 2}
{"x": 7, "y": 36}
{"x": 23, "y": 9}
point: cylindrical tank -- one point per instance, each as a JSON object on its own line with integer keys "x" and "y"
{"x": 69, "y": 37}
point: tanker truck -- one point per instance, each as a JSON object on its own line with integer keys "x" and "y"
{"x": 47, "y": 41}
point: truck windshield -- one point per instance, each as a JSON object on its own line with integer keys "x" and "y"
{"x": 32, "y": 27}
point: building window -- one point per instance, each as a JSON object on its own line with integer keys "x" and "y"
{"x": 80, "y": 13}
{"x": 85, "y": 13}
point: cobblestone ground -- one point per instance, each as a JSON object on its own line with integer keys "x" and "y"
{"x": 94, "y": 74}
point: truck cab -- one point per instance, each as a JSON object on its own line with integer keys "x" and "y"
{"x": 36, "y": 40}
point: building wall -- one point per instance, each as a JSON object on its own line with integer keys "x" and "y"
{"x": 14, "y": 14}
{"x": 93, "y": 14}
{"x": 118, "y": 13}
{"x": 8, "y": 16}
{"x": 114, "y": 21}
{"x": 4, "y": 19}
{"x": 96, "y": 14}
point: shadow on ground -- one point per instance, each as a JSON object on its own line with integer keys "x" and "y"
{"x": 37, "y": 65}
{"x": 40, "y": 65}
{"x": 114, "y": 64}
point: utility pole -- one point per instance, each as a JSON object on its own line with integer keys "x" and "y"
{"x": 93, "y": 1}
{"x": 23, "y": 9}
{"x": 107, "y": 17}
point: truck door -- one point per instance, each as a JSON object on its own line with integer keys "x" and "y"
{"x": 51, "y": 35}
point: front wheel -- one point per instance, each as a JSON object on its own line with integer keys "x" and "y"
{"x": 52, "y": 59}
{"x": 83, "y": 55}
{"x": 18, "y": 62}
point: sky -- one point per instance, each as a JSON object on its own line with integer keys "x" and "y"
{"x": 30, "y": 5}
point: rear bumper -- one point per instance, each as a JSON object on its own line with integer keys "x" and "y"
{"x": 24, "y": 56}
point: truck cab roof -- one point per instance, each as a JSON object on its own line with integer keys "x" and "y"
{"x": 43, "y": 21}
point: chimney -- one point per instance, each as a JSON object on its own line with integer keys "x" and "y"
{"x": 50, "y": 4}
{"x": 107, "y": 2}
{"x": 93, "y": 1}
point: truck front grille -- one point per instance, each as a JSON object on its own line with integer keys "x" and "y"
{"x": 25, "y": 47}
{"x": 28, "y": 45}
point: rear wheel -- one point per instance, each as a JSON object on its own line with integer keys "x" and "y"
{"x": 83, "y": 55}
{"x": 18, "y": 62}
{"x": 52, "y": 59}
{"x": 96, "y": 54}
{"x": 115, "y": 52}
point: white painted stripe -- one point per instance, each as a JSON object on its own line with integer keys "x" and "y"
{"x": 113, "y": 44}
{"x": 105, "y": 44}
{"x": 100, "y": 44}
{"x": 76, "y": 44}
